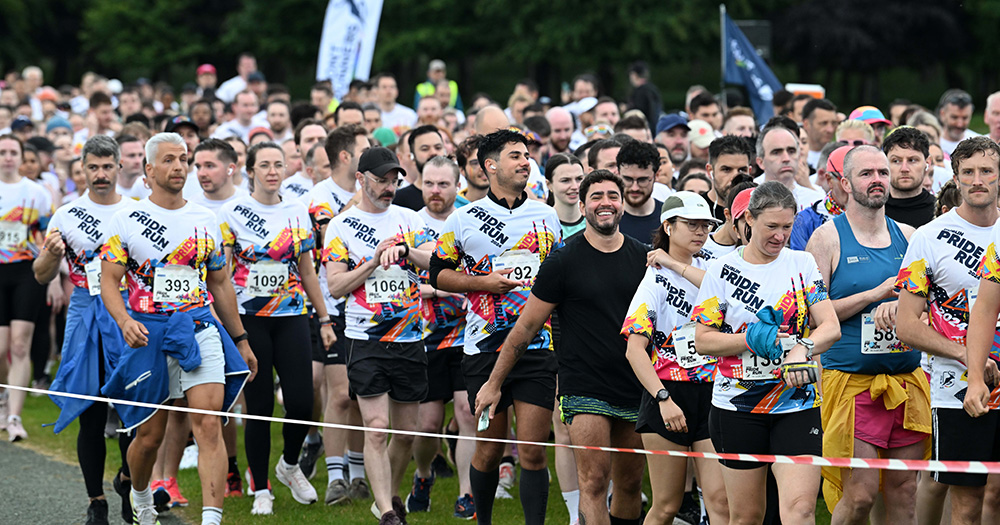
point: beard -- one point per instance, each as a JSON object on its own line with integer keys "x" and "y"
{"x": 872, "y": 203}
{"x": 439, "y": 205}
{"x": 606, "y": 228}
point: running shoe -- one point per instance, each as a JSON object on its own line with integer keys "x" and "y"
{"x": 234, "y": 485}
{"x": 15, "y": 430}
{"x": 176, "y": 498}
{"x": 399, "y": 509}
{"x": 293, "y": 478}
{"x": 337, "y": 492}
{"x": 124, "y": 488}
{"x": 311, "y": 452}
{"x": 441, "y": 468}
{"x": 263, "y": 504}
{"x": 250, "y": 486}
{"x": 161, "y": 498}
{"x": 111, "y": 424}
{"x": 359, "y": 489}
{"x": 507, "y": 475}
{"x": 144, "y": 514}
{"x": 465, "y": 508}
{"x": 190, "y": 457}
{"x": 390, "y": 518}
{"x": 97, "y": 514}
{"x": 42, "y": 383}
{"x": 419, "y": 499}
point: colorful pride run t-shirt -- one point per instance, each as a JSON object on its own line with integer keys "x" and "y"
{"x": 25, "y": 208}
{"x": 166, "y": 254}
{"x": 386, "y": 307}
{"x": 325, "y": 201}
{"x": 942, "y": 264}
{"x": 267, "y": 241}
{"x": 731, "y": 294}
{"x": 485, "y": 236}
{"x": 444, "y": 316}
{"x": 84, "y": 227}
{"x": 661, "y": 311}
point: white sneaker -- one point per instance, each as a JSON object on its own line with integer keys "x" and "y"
{"x": 142, "y": 514}
{"x": 507, "y": 474}
{"x": 502, "y": 493}
{"x": 293, "y": 478}
{"x": 15, "y": 430}
{"x": 375, "y": 511}
{"x": 190, "y": 457}
{"x": 263, "y": 504}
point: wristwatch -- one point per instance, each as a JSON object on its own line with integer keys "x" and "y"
{"x": 808, "y": 344}
{"x": 662, "y": 395}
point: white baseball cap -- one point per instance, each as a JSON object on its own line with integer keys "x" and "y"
{"x": 686, "y": 205}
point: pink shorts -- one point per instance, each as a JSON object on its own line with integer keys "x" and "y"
{"x": 880, "y": 427}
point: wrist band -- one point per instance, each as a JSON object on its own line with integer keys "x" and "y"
{"x": 241, "y": 337}
{"x": 686, "y": 266}
{"x": 407, "y": 246}
{"x": 325, "y": 321}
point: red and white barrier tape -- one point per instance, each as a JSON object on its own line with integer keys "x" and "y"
{"x": 968, "y": 467}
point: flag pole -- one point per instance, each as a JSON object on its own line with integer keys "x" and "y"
{"x": 722, "y": 57}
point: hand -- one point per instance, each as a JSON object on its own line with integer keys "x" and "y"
{"x": 885, "y": 315}
{"x": 991, "y": 374}
{"x": 659, "y": 259}
{"x": 327, "y": 335}
{"x": 977, "y": 399}
{"x": 886, "y": 290}
{"x": 498, "y": 283}
{"x": 673, "y": 416}
{"x": 797, "y": 378}
{"x": 54, "y": 244}
{"x": 55, "y": 295}
{"x": 488, "y": 396}
{"x": 247, "y": 354}
{"x": 135, "y": 333}
{"x": 392, "y": 255}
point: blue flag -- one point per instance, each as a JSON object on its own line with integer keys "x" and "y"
{"x": 745, "y": 67}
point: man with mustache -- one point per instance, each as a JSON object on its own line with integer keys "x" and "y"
{"x": 858, "y": 253}
{"x": 599, "y": 394}
{"x": 909, "y": 203}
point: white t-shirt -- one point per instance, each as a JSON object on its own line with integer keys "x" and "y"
{"x": 351, "y": 238}
{"x": 942, "y": 264}
{"x": 296, "y": 186}
{"x": 949, "y": 146}
{"x": 731, "y": 294}
{"x": 325, "y": 200}
{"x": 215, "y": 205}
{"x": 228, "y": 90}
{"x": 713, "y": 250}
{"x": 233, "y": 127}
{"x": 166, "y": 255}
{"x": 804, "y": 197}
{"x": 661, "y": 191}
{"x": 399, "y": 119}
{"x": 84, "y": 226}
{"x": 267, "y": 241}
{"x": 812, "y": 158}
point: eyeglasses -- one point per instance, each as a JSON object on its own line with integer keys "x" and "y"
{"x": 695, "y": 226}
{"x": 385, "y": 182}
{"x": 641, "y": 181}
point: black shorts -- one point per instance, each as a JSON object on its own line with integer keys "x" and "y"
{"x": 337, "y": 354}
{"x": 21, "y": 297}
{"x": 951, "y": 441}
{"x": 694, "y": 399}
{"x": 444, "y": 366}
{"x": 532, "y": 380}
{"x": 791, "y": 434}
{"x": 398, "y": 369}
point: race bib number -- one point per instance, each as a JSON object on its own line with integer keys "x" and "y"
{"x": 687, "y": 357}
{"x": 875, "y": 341}
{"x": 175, "y": 283}
{"x": 522, "y": 263}
{"x": 387, "y": 286}
{"x": 758, "y": 368}
{"x": 93, "y": 273}
{"x": 265, "y": 279}
{"x": 12, "y": 235}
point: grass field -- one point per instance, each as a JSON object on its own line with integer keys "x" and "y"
{"x": 40, "y": 410}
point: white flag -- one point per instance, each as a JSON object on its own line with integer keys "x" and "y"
{"x": 348, "y": 42}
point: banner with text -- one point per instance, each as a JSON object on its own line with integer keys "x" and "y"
{"x": 348, "y": 42}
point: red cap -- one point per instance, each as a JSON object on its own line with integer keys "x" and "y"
{"x": 206, "y": 68}
{"x": 835, "y": 163}
{"x": 260, "y": 129}
{"x": 741, "y": 203}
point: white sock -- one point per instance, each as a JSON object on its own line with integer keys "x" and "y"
{"x": 142, "y": 498}
{"x": 572, "y": 499}
{"x": 356, "y": 464}
{"x": 211, "y": 516}
{"x": 334, "y": 468}
{"x": 261, "y": 492}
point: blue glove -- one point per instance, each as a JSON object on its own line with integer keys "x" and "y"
{"x": 762, "y": 336}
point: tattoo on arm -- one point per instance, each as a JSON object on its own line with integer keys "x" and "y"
{"x": 520, "y": 349}
{"x": 582, "y": 520}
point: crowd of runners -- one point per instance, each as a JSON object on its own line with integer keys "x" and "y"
{"x": 588, "y": 271}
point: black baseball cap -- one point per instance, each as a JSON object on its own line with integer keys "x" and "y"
{"x": 379, "y": 161}
{"x": 181, "y": 120}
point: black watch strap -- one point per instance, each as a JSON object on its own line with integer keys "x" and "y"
{"x": 241, "y": 337}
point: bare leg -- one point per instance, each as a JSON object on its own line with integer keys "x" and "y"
{"x": 211, "y": 450}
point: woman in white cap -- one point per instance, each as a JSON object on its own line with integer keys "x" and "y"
{"x": 677, "y": 381}
{"x": 754, "y": 311}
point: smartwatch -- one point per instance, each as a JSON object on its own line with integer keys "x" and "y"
{"x": 808, "y": 344}
{"x": 662, "y": 395}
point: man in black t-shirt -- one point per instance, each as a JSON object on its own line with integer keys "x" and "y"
{"x": 599, "y": 394}
{"x": 909, "y": 203}
{"x": 425, "y": 143}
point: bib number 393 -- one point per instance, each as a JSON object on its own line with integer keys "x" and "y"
{"x": 12, "y": 235}
{"x": 687, "y": 356}
{"x": 265, "y": 279}
{"x": 387, "y": 286}
{"x": 93, "y": 272}
{"x": 522, "y": 263}
{"x": 175, "y": 283}
{"x": 875, "y": 341}
{"x": 758, "y": 368}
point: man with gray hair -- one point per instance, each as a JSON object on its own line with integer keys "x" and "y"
{"x": 78, "y": 232}
{"x": 170, "y": 252}
{"x": 992, "y": 115}
{"x": 955, "y": 111}
{"x": 858, "y": 254}
{"x": 778, "y": 156}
